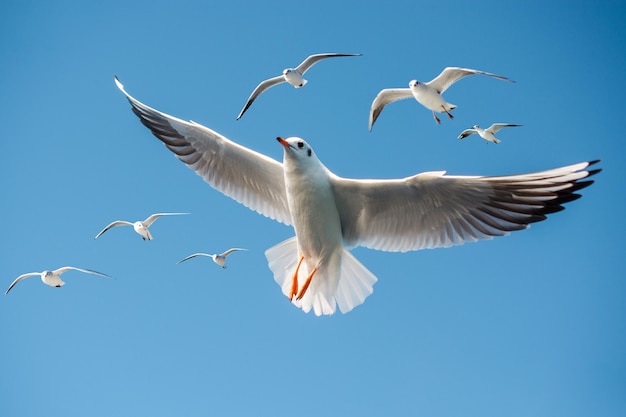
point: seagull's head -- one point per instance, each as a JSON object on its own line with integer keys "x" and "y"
{"x": 476, "y": 126}
{"x": 47, "y": 274}
{"x": 413, "y": 83}
{"x": 297, "y": 151}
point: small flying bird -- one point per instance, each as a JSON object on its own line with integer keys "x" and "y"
{"x": 53, "y": 278}
{"x": 487, "y": 134}
{"x": 218, "y": 259}
{"x": 293, "y": 76}
{"x": 427, "y": 94}
{"x": 140, "y": 227}
{"x": 331, "y": 214}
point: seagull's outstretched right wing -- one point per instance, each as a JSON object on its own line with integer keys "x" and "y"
{"x": 263, "y": 85}
{"x": 113, "y": 224}
{"x": 21, "y": 277}
{"x": 193, "y": 256}
{"x": 386, "y": 96}
{"x": 251, "y": 178}
{"x": 466, "y": 133}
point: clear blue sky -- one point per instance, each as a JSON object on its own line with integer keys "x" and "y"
{"x": 532, "y": 324}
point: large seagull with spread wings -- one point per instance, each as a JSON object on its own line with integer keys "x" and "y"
{"x": 331, "y": 214}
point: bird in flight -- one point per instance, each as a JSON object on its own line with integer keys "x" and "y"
{"x": 219, "y": 259}
{"x": 53, "y": 278}
{"x": 141, "y": 227}
{"x": 487, "y": 134}
{"x": 428, "y": 94}
{"x": 331, "y": 214}
{"x": 293, "y": 76}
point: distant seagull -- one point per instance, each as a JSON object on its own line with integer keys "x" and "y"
{"x": 218, "y": 259}
{"x": 140, "y": 227}
{"x": 53, "y": 278}
{"x": 331, "y": 214}
{"x": 293, "y": 76}
{"x": 427, "y": 94}
{"x": 487, "y": 134}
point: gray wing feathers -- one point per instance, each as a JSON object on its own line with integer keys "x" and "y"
{"x": 246, "y": 176}
{"x": 497, "y": 126}
{"x": 450, "y": 75}
{"x": 264, "y": 85}
{"x": 432, "y": 210}
{"x": 314, "y": 59}
{"x": 384, "y": 97}
{"x": 466, "y": 133}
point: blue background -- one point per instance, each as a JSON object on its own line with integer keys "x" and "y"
{"x": 526, "y": 325}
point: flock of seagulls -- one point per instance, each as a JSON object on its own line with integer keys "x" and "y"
{"x": 330, "y": 214}
{"x": 53, "y": 278}
{"x": 428, "y": 94}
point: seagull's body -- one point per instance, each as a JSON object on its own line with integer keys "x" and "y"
{"x": 427, "y": 94}
{"x": 53, "y": 278}
{"x": 219, "y": 259}
{"x": 329, "y": 213}
{"x": 487, "y": 134}
{"x": 293, "y": 76}
{"x": 141, "y": 227}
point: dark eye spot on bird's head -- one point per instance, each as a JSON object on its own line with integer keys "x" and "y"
{"x": 309, "y": 152}
{"x": 300, "y": 144}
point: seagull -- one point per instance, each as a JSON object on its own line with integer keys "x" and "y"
{"x": 219, "y": 259}
{"x": 140, "y": 227}
{"x": 331, "y": 214}
{"x": 53, "y": 278}
{"x": 293, "y": 76}
{"x": 487, "y": 134}
{"x": 427, "y": 94}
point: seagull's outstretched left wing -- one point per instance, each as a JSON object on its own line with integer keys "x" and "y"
{"x": 314, "y": 59}
{"x": 251, "y": 178}
{"x": 432, "y": 209}
{"x": 450, "y": 75}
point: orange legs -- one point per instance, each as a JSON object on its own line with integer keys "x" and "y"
{"x": 306, "y": 284}
{"x": 294, "y": 282}
{"x": 448, "y": 113}
{"x": 436, "y": 118}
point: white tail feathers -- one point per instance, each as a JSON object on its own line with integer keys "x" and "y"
{"x": 355, "y": 281}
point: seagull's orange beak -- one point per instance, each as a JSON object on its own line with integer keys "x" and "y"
{"x": 283, "y": 142}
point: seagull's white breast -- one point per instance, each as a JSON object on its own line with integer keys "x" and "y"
{"x": 294, "y": 77}
{"x": 315, "y": 217}
{"x": 428, "y": 97}
{"x": 51, "y": 279}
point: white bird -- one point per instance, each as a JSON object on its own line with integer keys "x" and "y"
{"x": 140, "y": 227}
{"x": 329, "y": 213}
{"x": 53, "y": 278}
{"x": 219, "y": 259}
{"x": 293, "y": 76}
{"x": 487, "y": 134}
{"x": 427, "y": 94}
